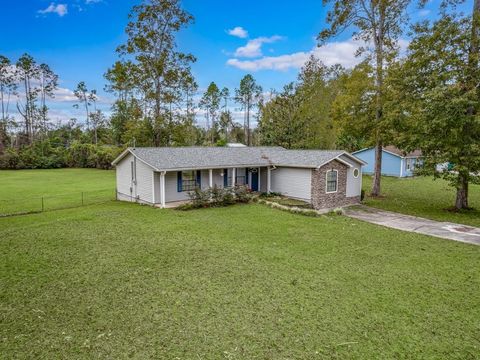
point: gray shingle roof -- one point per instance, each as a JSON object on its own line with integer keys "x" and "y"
{"x": 178, "y": 158}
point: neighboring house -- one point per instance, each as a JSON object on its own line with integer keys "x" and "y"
{"x": 157, "y": 176}
{"x": 395, "y": 162}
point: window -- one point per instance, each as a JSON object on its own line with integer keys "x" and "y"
{"x": 332, "y": 181}
{"x": 356, "y": 172}
{"x": 188, "y": 180}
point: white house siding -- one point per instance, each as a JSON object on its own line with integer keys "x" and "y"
{"x": 171, "y": 189}
{"x": 125, "y": 190}
{"x": 156, "y": 188}
{"x": 144, "y": 184}
{"x": 263, "y": 179}
{"x": 354, "y": 185}
{"x": 142, "y": 191}
{"x": 217, "y": 178}
{"x": 292, "y": 182}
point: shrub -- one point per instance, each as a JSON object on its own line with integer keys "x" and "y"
{"x": 362, "y": 195}
{"x": 217, "y": 197}
{"x": 242, "y": 194}
{"x": 199, "y": 198}
{"x": 228, "y": 198}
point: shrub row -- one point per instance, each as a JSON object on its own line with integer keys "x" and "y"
{"x": 217, "y": 197}
{"x": 43, "y": 156}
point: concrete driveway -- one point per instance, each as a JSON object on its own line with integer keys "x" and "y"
{"x": 445, "y": 230}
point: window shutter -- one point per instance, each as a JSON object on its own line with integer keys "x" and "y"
{"x": 179, "y": 181}
{"x": 225, "y": 177}
{"x": 199, "y": 178}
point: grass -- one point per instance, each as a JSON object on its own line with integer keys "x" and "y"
{"x": 121, "y": 280}
{"x": 22, "y": 190}
{"x": 425, "y": 197}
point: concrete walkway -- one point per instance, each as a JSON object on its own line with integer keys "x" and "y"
{"x": 445, "y": 230}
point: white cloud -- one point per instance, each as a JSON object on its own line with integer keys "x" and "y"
{"x": 253, "y": 48}
{"x": 424, "y": 12}
{"x": 342, "y": 52}
{"x": 237, "y": 31}
{"x": 65, "y": 95}
{"x": 59, "y": 9}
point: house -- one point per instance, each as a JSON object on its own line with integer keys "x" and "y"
{"x": 158, "y": 176}
{"x": 395, "y": 162}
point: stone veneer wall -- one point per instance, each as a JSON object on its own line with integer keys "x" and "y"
{"x": 322, "y": 200}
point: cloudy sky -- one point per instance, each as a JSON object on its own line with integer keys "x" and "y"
{"x": 269, "y": 38}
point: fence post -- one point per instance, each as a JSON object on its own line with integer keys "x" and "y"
{"x": 43, "y": 207}
{"x": 82, "y": 198}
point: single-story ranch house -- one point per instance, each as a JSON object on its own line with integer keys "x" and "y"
{"x": 157, "y": 176}
{"x": 395, "y": 162}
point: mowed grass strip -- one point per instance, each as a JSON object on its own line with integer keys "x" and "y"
{"x": 24, "y": 191}
{"x": 121, "y": 280}
{"x": 424, "y": 197}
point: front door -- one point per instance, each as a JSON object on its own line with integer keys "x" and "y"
{"x": 254, "y": 185}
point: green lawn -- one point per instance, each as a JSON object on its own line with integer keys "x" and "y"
{"x": 425, "y": 197}
{"x": 22, "y": 190}
{"x": 121, "y": 280}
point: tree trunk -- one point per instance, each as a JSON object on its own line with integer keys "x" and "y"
{"x": 461, "y": 201}
{"x": 248, "y": 124}
{"x": 379, "y": 54}
{"x": 377, "y": 173}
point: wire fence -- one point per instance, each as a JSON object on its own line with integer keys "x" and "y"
{"x": 29, "y": 205}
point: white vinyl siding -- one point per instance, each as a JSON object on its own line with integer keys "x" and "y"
{"x": 292, "y": 182}
{"x": 124, "y": 178}
{"x": 144, "y": 184}
{"x": 354, "y": 184}
{"x": 263, "y": 179}
{"x": 142, "y": 190}
{"x": 171, "y": 188}
{"x": 156, "y": 187}
{"x": 217, "y": 178}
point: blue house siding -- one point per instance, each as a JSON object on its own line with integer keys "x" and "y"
{"x": 391, "y": 164}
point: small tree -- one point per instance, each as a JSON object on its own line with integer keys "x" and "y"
{"x": 81, "y": 93}
{"x": 211, "y": 103}
{"x": 248, "y": 95}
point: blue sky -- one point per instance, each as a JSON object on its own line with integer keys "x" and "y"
{"x": 77, "y": 38}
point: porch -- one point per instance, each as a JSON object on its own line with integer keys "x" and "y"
{"x": 173, "y": 186}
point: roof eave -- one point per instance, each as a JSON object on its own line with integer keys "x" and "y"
{"x": 121, "y": 156}
{"x": 129, "y": 150}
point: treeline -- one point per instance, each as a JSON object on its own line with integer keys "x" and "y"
{"x": 157, "y": 102}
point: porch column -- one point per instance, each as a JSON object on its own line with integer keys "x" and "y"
{"x": 234, "y": 176}
{"x": 162, "y": 188}
{"x": 210, "y": 178}
{"x": 269, "y": 177}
